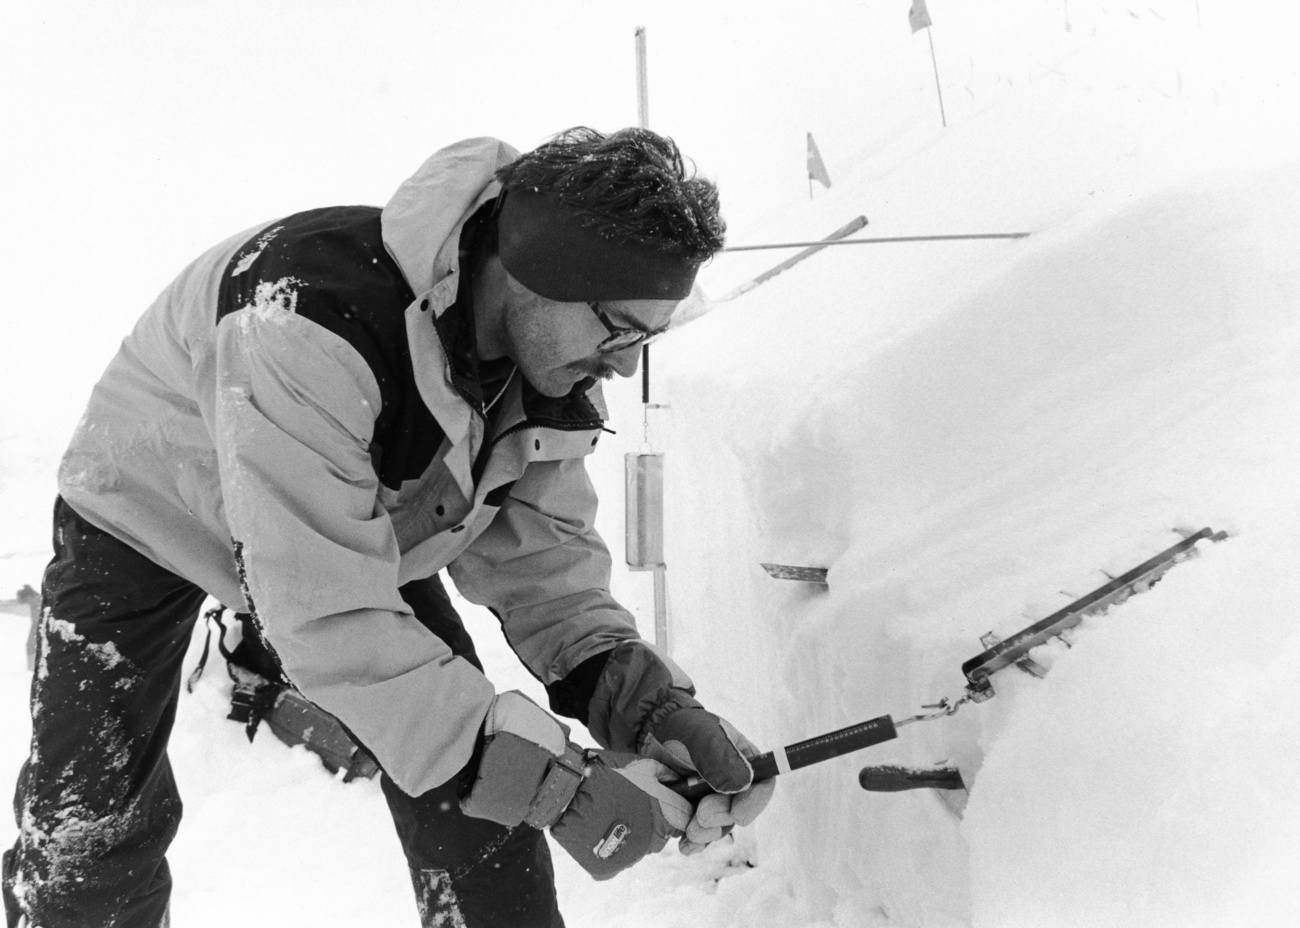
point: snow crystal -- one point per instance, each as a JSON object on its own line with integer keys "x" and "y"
{"x": 436, "y": 900}
{"x": 246, "y": 261}
{"x": 272, "y": 301}
{"x": 107, "y": 651}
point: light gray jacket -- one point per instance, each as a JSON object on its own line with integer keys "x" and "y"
{"x": 250, "y": 433}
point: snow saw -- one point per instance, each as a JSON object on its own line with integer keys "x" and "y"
{"x": 997, "y": 655}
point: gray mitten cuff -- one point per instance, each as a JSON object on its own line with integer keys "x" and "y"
{"x": 556, "y": 792}
{"x": 528, "y": 771}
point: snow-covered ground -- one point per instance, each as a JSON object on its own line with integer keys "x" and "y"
{"x": 966, "y": 435}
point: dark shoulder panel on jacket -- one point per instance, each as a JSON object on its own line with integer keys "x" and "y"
{"x": 346, "y": 282}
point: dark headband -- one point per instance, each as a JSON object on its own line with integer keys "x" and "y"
{"x": 545, "y": 245}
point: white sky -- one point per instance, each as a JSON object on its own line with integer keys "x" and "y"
{"x": 139, "y": 133}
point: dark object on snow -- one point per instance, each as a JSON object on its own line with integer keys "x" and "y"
{"x": 892, "y": 778}
{"x": 1013, "y": 650}
{"x": 790, "y": 572}
{"x": 1016, "y": 648}
{"x": 814, "y": 750}
{"x": 261, "y": 694}
{"x": 27, "y": 604}
{"x": 295, "y": 720}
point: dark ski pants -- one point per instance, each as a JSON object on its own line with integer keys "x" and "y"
{"x": 97, "y": 805}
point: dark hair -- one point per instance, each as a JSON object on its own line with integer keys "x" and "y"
{"x": 632, "y": 183}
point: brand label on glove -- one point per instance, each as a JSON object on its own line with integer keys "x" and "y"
{"x": 612, "y": 841}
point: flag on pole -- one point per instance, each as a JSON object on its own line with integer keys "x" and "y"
{"x": 816, "y": 168}
{"x": 918, "y": 16}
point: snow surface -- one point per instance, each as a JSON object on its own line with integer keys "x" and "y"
{"x": 966, "y": 435}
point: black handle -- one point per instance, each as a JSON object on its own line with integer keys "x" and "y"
{"x": 814, "y": 750}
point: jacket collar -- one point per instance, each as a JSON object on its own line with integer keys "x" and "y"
{"x": 421, "y": 223}
{"x": 423, "y": 226}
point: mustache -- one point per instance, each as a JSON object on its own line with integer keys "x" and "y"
{"x": 594, "y": 370}
{"x": 591, "y": 372}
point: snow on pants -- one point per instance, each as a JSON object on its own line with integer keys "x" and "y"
{"x": 96, "y": 802}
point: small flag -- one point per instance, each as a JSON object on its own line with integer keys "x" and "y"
{"x": 816, "y": 168}
{"x": 918, "y": 16}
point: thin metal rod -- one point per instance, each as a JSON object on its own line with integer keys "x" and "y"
{"x": 880, "y": 241}
{"x": 663, "y": 639}
{"x": 812, "y": 249}
{"x": 1006, "y": 652}
{"x": 929, "y": 33}
{"x": 645, "y": 375}
{"x": 643, "y": 120}
{"x": 642, "y": 82}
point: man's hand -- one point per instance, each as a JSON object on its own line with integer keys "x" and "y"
{"x": 643, "y": 702}
{"x": 620, "y": 813}
{"x": 607, "y": 809}
{"x": 686, "y": 737}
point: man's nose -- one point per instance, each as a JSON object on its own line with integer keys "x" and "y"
{"x": 624, "y": 362}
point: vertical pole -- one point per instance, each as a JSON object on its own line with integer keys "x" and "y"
{"x": 643, "y": 120}
{"x": 662, "y": 641}
{"x": 929, "y": 34}
{"x": 642, "y": 88}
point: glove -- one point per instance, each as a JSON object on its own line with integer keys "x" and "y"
{"x": 620, "y": 813}
{"x": 687, "y": 738}
{"x": 608, "y": 809}
{"x": 643, "y": 702}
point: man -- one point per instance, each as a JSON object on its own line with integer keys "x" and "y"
{"x": 310, "y": 422}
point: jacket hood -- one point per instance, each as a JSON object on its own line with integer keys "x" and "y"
{"x": 429, "y": 206}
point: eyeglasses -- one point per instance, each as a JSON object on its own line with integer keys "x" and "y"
{"x": 621, "y": 337}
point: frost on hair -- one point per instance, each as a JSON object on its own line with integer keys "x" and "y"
{"x": 631, "y": 184}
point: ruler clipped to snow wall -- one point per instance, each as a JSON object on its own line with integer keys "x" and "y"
{"x": 1016, "y": 648}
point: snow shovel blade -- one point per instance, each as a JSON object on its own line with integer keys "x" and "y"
{"x": 791, "y": 572}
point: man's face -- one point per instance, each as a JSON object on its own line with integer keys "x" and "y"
{"x": 556, "y": 344}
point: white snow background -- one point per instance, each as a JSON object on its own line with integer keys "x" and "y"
{"x": 965, "y": 434}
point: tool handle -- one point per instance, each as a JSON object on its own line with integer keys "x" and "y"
{"x": 793, "y": 756}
